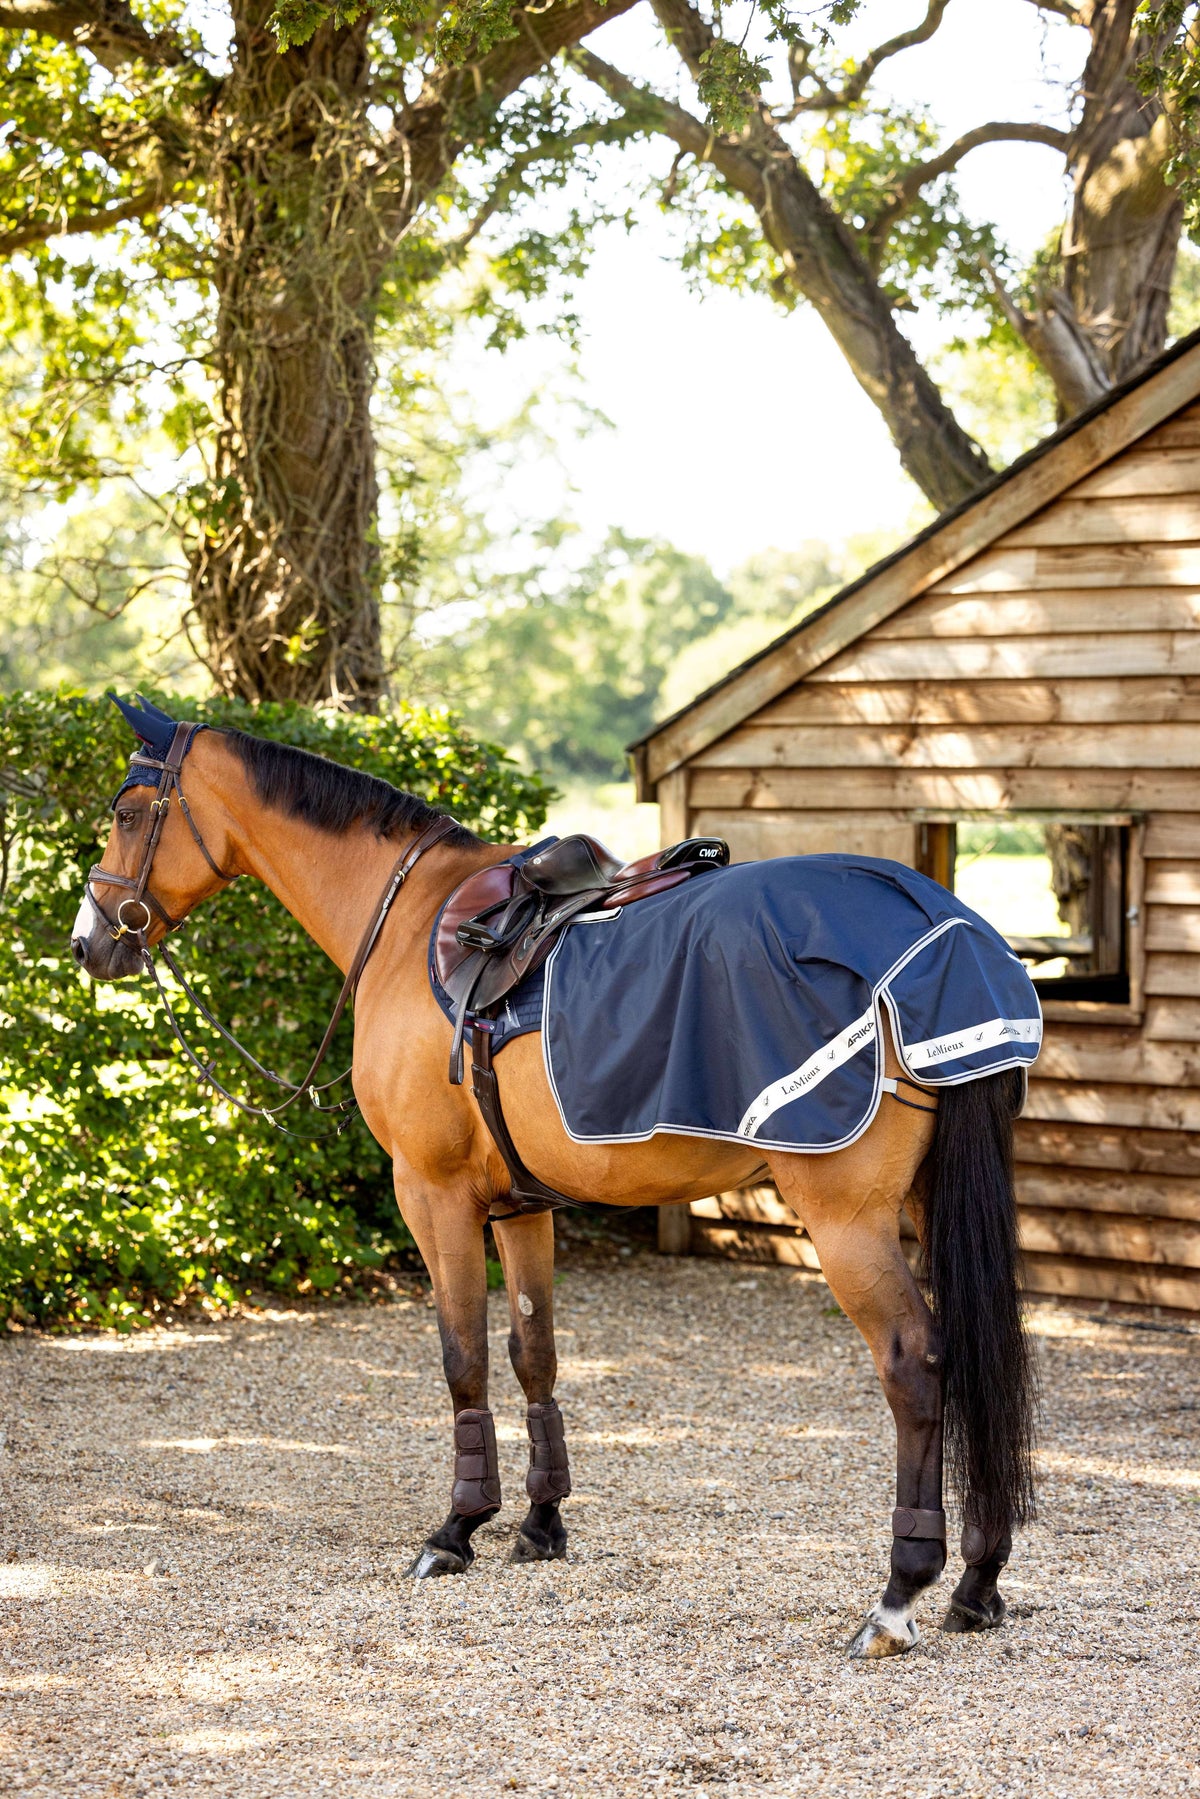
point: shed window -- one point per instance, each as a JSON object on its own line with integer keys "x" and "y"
{"x": 1057, "y": 891}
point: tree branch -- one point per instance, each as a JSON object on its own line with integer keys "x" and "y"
{"x": 820, "y": 260}
{"x": 511, "y": 179}
{"x": 39, "y": 231}
{"x": 1060, "y": 344}
{"x": 857, "y": 81}
{"x": 1063, "y": 9}
{"x": 686, "y": 31}
{"x": 455, "y": 104}
{"x": 907, "y": 186}
{"x": 825, "y": 98}
{"x": 109, "y": 31}
{"x": 653, "y": 112}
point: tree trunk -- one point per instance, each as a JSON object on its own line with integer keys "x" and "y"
{"x": 1108, "y": 317}
{"x": 285, "y": 564}
{"x": 1121, "y": 240}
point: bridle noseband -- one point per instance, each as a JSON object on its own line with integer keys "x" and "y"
{"x": 168, "y": 785}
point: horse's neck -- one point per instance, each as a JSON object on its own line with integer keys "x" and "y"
{"x": 332, "y": 885}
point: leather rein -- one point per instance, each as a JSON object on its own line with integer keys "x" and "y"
{"x": 139, "y": 894}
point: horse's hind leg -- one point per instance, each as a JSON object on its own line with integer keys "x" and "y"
{"x": 850, "y": 1204}
{"x": 526, "y": 1246}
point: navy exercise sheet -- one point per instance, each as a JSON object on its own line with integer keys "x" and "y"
{"x": 747, "y": 1003}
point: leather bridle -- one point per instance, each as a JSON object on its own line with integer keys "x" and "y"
{"x": 169, "y": 786}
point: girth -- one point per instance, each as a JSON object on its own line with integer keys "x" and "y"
{"x": 501, "y": 923}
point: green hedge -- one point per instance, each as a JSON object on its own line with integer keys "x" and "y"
{"x": 124, "y": 1187}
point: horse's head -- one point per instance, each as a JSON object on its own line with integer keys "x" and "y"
{"x": 156, "y": 864}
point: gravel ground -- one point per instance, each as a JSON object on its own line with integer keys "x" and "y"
{"x": 206, "y": 1530}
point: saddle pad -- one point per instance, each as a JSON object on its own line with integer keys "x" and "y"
{"x": 747, "y": 1005}
{"x": 520, "y": 1012}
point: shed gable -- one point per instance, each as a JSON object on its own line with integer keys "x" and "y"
{"x": 1055, "y": 670}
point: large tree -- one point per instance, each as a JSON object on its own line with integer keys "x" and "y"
{"x": 266, "y": 194}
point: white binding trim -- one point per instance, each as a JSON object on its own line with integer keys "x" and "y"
{"x": 810, "y": 1074}
{"x": 980, "y": 1036}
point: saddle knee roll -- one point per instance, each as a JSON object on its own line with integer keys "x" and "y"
{"x": 476, "y": 1464}
{"x": 549, "y": 1476}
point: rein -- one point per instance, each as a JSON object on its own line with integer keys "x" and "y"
{"x": 140, "y": 895}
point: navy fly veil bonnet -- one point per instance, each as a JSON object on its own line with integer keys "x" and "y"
{"x": 154, "y": 730}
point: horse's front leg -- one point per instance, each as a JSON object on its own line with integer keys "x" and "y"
{"x": 526, "y": 1248}
{"x": 448, "y": 1229}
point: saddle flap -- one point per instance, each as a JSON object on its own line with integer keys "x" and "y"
{"x": 485, "y": 891}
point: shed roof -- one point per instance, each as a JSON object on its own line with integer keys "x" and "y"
{"x": 1084, "y": 444}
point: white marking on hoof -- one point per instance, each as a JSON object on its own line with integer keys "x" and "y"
{"x": 426, "y": 1564}
{"x": 524, "y": 1305}
{"x": 882, "y": 1632}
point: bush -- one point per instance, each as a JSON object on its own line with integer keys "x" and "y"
{"x": 124, "y": 1186}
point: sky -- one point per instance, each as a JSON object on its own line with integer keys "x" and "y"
{"x": 736, "y": 427}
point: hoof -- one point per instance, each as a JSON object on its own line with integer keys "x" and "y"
{"x": 965, "y": 1615}
{"x": 432, "y": 1562}
{"x": 527, "y": 1549}
{"x": 881, "y": 1634}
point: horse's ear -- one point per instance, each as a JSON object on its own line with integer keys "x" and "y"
{"x": 153, "y": 727}
{"x": 154, "y": 711}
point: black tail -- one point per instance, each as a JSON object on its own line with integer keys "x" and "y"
{"x": 971, "y": 1249}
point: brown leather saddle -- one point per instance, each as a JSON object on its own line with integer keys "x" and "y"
{"x": 501, "y": 923}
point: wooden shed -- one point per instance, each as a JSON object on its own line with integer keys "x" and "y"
{"x": 1032, "y": 656}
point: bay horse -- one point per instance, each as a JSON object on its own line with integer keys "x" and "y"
{"x": 325, "y": 840}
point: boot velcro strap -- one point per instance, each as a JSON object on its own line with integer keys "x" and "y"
{"x": 911, "y": 1521}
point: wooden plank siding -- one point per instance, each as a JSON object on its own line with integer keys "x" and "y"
{"x": 753, "y": 836}
{"x": 1041, "y": 657}
{"x": 1052, "y": 667}
{"x": 1002, "y": 789}
{"x": 1146, "y": 747}
{"x": 1060, "y": 1272}
{"x": 1071, "y": 610}
{"x": 1129, "y": 700}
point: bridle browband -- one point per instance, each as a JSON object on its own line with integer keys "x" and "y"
{"x": 169, "y": 786}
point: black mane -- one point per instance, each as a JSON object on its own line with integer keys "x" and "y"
{"x": 329, "y": 796}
